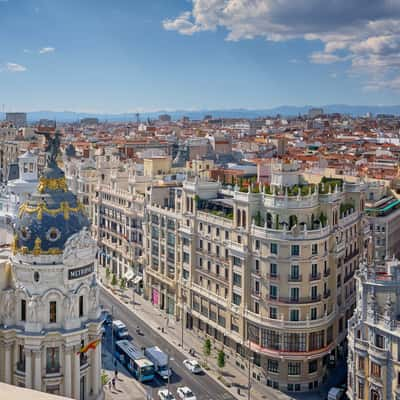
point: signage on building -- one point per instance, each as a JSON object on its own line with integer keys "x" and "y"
{"x": 81, "y": 271}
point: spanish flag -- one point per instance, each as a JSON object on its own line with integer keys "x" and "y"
{"x": 91, "y": 345}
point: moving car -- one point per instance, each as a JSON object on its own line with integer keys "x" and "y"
{"x": 185, "y": 393}
{"x": 164, "y": 395}
{"x": 193, "y": 366}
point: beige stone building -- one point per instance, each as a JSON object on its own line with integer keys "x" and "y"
{"x": 268, "y": 271}
{"x": 374, "y": 334}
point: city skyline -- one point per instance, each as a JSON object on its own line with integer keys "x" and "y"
{"x": 126, "y": 57}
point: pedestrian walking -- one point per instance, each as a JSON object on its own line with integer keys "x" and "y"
{"x": 109, "y": 385}
{"x": 116, "y": 374}
{"x": 113, "y": 383}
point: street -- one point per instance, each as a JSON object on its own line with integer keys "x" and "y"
{"x": 204, "y": 387}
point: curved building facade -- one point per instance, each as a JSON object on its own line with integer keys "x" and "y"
{"x": 50, "y": 317}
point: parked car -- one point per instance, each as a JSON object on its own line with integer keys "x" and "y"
{"x": 193, "y": 366}
{"x": 164, "y": 395}
{"x": 185, "y": 393}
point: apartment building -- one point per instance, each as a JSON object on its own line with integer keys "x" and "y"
{"x": 374, "y": 334}
{"x": 266, "y": 270}
{"x": 118, "y": 212}
{"x": 383, "y": 217}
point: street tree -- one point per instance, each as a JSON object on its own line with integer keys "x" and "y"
{"x": 122, "y": 284}
{"x": 207, "y": 348}
{"x": 221, "y": 360}
{"x": 114, "y": 280}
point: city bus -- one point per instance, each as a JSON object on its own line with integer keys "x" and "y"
{"x": 134, "y": 360}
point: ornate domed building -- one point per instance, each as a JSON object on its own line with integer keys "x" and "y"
{"x": 50, "y": 318}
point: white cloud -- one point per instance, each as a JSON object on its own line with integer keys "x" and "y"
{"x": 45, "y": 50}
{"x": 13, "y": 67}
{"x": 364, "y": 33}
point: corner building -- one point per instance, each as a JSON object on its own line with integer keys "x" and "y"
{"x": 374, "y": 334}
{"x": 267, "y": 270}
{"x": 49, "y": 296}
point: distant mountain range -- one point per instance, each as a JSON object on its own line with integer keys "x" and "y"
{"x": 286, "y": 111}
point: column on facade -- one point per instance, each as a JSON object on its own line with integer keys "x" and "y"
{"x": 67, "y": 373}
{"x": 95, "y": 368}
{"x": 7, "y": 363}
{"x": 77, "y": 374}
{"x": 28, "y": 368}
{"x": 37, "y": 384}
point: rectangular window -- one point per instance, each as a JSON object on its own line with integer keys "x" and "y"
{"x": 312, "y": 366}
{"x": 379, "y": 341}
{"x": 257, "y": 266}
{"x": 314, "y": 270}
{"x": 237, "y": 279}
{"x": 273, "y": 269}
{"x": 274, "y": 248}
{"x": 257, "y": 245}
{"x": 316, "y": 340}
{"x": 273, "y": 312}
{"x": 80, "y": 306}
{"x": 314, "y": 249}
{"x": 186, "y": 257}
{"x": 237, "y": 261}
{"x": 200, "y": 244}
{"x": 294, "y": 315}
{"x": 273, "y": 366}
{"x": 236, "y": 299}
{"x": 361, "y": 362}
{"x": 294, "y": 294}
{"x": 273, "y": 292}
{"x": 53, "y": 312}
{"x": 314, "y": 292}
{"x": 313, "y": 313}
{"x": 295, "y": 250}
{"x": 52, "y": 360}
{"x": 23, "y": 310}
{"x": 375, "y": 370}
{"x": 360, "y": 390}
{"x": 294, "y": 368}
{"x": 294, "y": 272}
{"x": 256, "y": 307}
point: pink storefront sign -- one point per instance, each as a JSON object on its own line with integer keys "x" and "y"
{"x": 154, "y": 296}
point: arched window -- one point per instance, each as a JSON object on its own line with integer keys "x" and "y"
{"x": 238, "y": 217}
{"x": 244, "y": 219}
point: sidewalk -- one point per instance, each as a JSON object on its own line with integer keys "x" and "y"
{"x": 234, "y": 377}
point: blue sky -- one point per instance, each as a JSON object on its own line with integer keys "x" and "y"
{"x": 128, "y": 55}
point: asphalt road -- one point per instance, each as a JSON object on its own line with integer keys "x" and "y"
{"x": 204, "y": 387}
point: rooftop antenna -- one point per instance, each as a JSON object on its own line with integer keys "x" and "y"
{"x": 138, "y": 118}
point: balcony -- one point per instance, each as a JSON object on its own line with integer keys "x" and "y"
{"x": 53, "y": 369}
{"x": 295, "y": 278}
{"x": 327, "y": 272}
{"x": 273, "y": 277}
{"x": 350, "y": 256}
{"x": 348, "y": 277}
{"x": 300, "y": 300}
{"x": 315, "y": 277}
{"x": 327, "y": 294}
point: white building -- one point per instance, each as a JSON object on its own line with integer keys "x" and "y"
{"x": 19, "y": 190}
{"x": 50, "y": 325}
